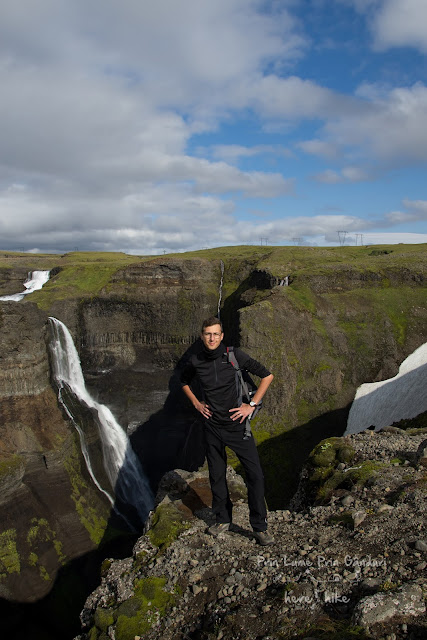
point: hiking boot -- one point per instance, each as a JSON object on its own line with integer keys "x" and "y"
{"x": 217, "y": 528}
{"x": 264, "y": 538}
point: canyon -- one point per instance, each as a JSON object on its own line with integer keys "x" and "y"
{"x": 324, "y": 320}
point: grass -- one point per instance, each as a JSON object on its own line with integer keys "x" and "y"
{"x": 84, "y": 274}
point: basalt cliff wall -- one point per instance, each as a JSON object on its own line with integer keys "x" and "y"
{"x": 330, "y": 328}
{"x": 49, "y": 510}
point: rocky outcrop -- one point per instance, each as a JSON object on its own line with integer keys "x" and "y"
{"x": 355, "y": 566}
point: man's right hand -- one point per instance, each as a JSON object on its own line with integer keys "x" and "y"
{"x": 204, "y": 409}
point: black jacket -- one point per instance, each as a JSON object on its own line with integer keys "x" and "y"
{"x": 217, "y": 378}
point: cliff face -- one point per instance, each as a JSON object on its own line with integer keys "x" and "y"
{"x": 11, "y": 280}
{"x": 148, "y": 313}
{"x": 322, "y": 328}
{"x": 49, "y": 511}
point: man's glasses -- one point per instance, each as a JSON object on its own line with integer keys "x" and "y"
{"x": 211, "y": 335}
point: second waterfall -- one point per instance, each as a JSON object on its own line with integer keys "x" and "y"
{"x": 122, "y": 467}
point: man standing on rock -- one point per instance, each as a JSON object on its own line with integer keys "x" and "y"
{"x": 224, "y": 425}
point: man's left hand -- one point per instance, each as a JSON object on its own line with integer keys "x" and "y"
{"x": 241, "y": 413}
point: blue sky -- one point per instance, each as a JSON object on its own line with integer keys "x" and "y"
{"x": 150, "y": 127}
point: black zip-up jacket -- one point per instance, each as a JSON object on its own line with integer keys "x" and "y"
{"x": 217, "y": 378}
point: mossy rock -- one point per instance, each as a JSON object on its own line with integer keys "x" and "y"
{"x": 93, "y": 634}
{"x": 365, "y": 471}
{"x": 330, "y": 451}
{"x": 345, "y": 519}
{"x": 323, "y": 457}
{"x": 105, "y": 566}
{"x": 168, "y": 523}
{"x": 104, "y": 618}
{"x": 137, "y": 615}
{"x": 359, "y": 476}
{"x": 323, "y": 460}
{"x": 345, "y": 454}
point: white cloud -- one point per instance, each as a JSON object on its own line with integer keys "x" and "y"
{"x": 417, "y": 213}
{"x": 401, "y": 23}
{"x": 319, "y": 148}
{"x": 391, "y": 127}
{"x": 346, "y": 174}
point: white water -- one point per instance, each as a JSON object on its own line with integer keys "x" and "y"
{"x": 220, "y": 290}
{"x": 402, "y": 397}
{"x": 34, "y": 282}
{"x": 123, "y": 468}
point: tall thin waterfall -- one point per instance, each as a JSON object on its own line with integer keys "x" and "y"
{"x": 121, "y": 465}
{"x": 220, "y": 289}
{"x": 34, "y": 282}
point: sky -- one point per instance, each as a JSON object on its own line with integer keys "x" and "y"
{"x": 157, "y": 126}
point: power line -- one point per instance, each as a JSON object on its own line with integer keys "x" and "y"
{"x": 341, "y": 237}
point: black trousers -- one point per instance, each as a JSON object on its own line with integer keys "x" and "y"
{"x": 216, "y": 441}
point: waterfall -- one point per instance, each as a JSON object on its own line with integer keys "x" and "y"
{"x": 121, "y": 464}
{"x": 220, "y": 289}
{"x": 34, "y": 282}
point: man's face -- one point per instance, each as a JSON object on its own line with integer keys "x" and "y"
{"x": 212, "y": 336}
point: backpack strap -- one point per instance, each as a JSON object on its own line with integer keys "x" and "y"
{"x": 242, "y": 387}
{"x": 233, "y": 361}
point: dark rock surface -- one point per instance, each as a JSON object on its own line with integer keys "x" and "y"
{"x": 329, "y": 574}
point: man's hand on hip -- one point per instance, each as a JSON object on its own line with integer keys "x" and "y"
{"x": 242, "y": 412}
{"x": 204, "y": 409}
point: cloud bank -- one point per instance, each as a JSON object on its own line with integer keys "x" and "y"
{"x": 103, "y": 104}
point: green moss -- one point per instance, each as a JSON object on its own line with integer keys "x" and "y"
{"x": 89, "y": 513}
{"x": 388, "y": 586}
{"x": 11, "y": 465}
{"x": 345, "y": 454}
{"x": 33, "y": 559}
{"x": 9, "y": 556}
{"x": 103, "y": 618}
{"x": 105, "y": 566}
{"x": 365, "y": 471}
{"x": 168, "y": 523}
{"x": 44, "y": 573}
{"x": 41, "y": 532}
{"x": 93, "y": 634}
{"x": 58, "y": 548}
{"x": 302, "y": 298}
{"x": 359, "y": 475}
{"x": 324, "y": 455}
{"x": 136, "y": 616}
{"x": 331, "y": 451}
{"x": 345, "y": 519}
{"x": 324, "y": 476}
